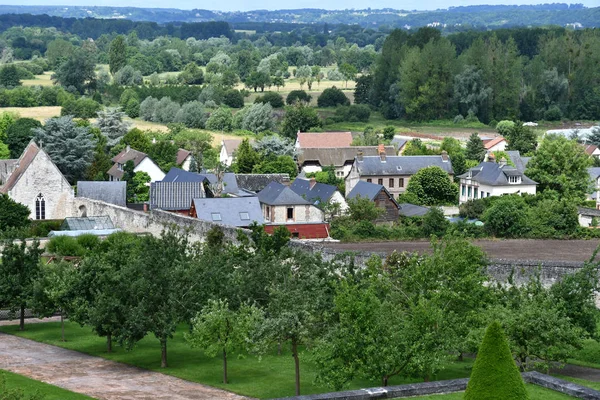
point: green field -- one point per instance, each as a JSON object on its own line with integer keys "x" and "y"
{"x": 535, "y": 393}
{"x": 30, "y": 387}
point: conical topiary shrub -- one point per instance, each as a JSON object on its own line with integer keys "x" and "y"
{"x": 495, "y": 375}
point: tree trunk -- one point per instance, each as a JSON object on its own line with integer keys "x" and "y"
{"x": 224, "y": 365}
{"x": 62, "y": 326}
{"x": 297, "y": 365}
{"x": 384, "y": 380}
{"x": 109, "y": 343}
{"x": 163, "y": 352}
{"x": 22, "y": 321}
{"x": 460, "y": 356}
{"x": 279, "y": 348}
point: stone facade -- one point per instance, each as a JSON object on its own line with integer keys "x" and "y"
{"x": 300, "y": 214}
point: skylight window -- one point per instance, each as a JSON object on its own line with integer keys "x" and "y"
{"x": 216, "y": 216}
{"x": 244, "y": 216}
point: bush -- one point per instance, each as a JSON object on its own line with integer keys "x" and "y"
{"x": 233, "y": 98}
{"x": 220, "y": 120}
{"x": 553, "y": 114}
{"x": 504, "y": 127}
{"x": 298, "y": 96}
{"x": 127, "y": 76}
{"x": 435, "y": 223}
{"x": 353, "y": 113}
{"x": 88, "y": 241}
{"x": 459, "y": 119}
{"x": 507, "y": 217}
{"x": 274, "y": 99}
{"x": 495, "y": 374}
{"x": 81, "y": 108}
{"x": 65, "y": 246}
{"x": 332, "y": 97}
{"x": 472, "y": 209}
{"x": 166, "y": 110}
{"x": 147, "y": 108}
{"x": 589, "y": 352}
{"x": 41, "y": 228}
{"x": 192, "y": 115}
{"x": 132, "y": 108}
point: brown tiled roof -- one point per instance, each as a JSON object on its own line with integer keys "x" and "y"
{"x": 182, "y": 154}
{"x": 488, "y": 144}
{"x": 338, "y": 156}
{"x": 231, "y": 145}
{"x": 590, "y": 148}
{"x": 24, "y": 161}
{"x": 122, "y": 158}
{"x": 324, "y": 139}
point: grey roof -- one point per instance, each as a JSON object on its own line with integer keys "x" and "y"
{"x": 231, "y": 211}
{"x": 400, "y": 165}
{"x": 398, "y": 143}
{"x": 412, "y": 210}
{"x": 275, "y": 194}
{"x": 114, "y": 192}
{"x": 320, "y": 192}
{"x": 257, "y": 182}
{"x": 172, "y": 196}
{"x": 493, "y": 174}
{"x": 230, "y": 185}
{"x": 594, "y": 173}
{"x": 592, "y": 212}
{"x": 87, "y": 223}
{"x": 180, "y": 175}
{"x": 365, "y": 189}
{"x": 520, "y": 162}
{"x": 338, "y": 156}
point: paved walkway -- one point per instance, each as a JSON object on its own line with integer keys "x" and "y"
{"x": 95, "y": 376}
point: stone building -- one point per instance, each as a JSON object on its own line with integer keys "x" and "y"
{"x": 38, "y": 183}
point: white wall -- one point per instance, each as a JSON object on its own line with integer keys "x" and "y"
{"x": 186, "y": 163}
{"x": 302, "y": 214}
{"x": 148, "y": 166}
{"x": 498, "y": 147}
{"x": 493, "y": 190}
{"x": 43, "y": 177}
{"x": 225, "y": 158}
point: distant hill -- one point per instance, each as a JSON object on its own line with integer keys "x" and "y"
{"x": 454, "y": 18}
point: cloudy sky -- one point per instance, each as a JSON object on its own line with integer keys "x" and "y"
{"x": 245, "y": 5}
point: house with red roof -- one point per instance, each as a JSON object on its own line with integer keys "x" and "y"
{"x": 497, "y": 143}
{"x": 592, "y": 150}
{"x": 184, "y": 159}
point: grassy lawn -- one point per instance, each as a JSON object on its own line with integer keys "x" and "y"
{"x": 40, "y": 80}
{"x": 39, "y": 113}
{"x": 273, "y": 376}
{"x": 30, "y": 386}
{"x": 535, "y": 393}
{"x": 582, "y": 382}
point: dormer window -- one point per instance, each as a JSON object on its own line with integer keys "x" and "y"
{"x": 120, "y": 166}
{"x": 514, "y": 179}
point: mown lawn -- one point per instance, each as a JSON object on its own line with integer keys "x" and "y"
{"x": 31, "y": 386}
{"x": 535, "y": 393}
{"x": 272, "y": 376}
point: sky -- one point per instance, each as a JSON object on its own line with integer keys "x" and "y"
{"x": 245, "y": 5}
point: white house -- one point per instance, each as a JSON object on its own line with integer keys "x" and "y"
{"x": 141, "y": 162}
{"x": 38, "y": 183}
{"x": 281, "y": 205}
{"x": 184, "y": 159}
{"x": 592, "y": 150}
{"x": 228, "y": 148}
{"x": 494, "y": 144}
{"x": 494, "y": 179}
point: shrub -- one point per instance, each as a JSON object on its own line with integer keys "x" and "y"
{"x": 65, "y": 246}
{"x": 459, "y": 119}
{"x": 81, "y": 108}
{"x": 332, "y": 97}
{"x": 127, "y": 76}
{"x": 147, "y": 108}
{"x": 88, "y": 241}
{"x": 132, "y": 108}
{"x": 233, "y": 98}
{"x": 166, "y": 110}
{"x": 274, "y": 99}
{"x": 495, "y": 374}
{"x": 389, "y": 132}
{"x": 353, "y": 113}
{"x": 472, "y": 209}
{"x": 504, "y": 127}
{"x": 298, "y": 96}
{"x": 192, "y": 115}
{"x": 258, "y": 118}
{"x": 220, "y": 120}
{"x": 553, "y": 114}
{"x": 435, "y": 223}
{"x": 12, "y": 214}
{"x": 507, "y": 217}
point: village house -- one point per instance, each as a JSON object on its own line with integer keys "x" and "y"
{"x": 594, "y": 173}
{"x": 184, "y": 159}
{"x": 228, "y": 149}
{"x": 592, "y": 150}
{"x": 231, "y": 211}
{"x": 341, "y": 158}
{"x": 175, "y": 196}
{"x": 392, "y": 172}
{"x": 494, "y": 179}
{"x": 141, "y": 162}
{"x": 257, "y": 182}
{"x": 497, "y": 143}
{"x": 318, "y": 193}
{"x": 380, "y": 196}
{"x": 322, "y": 140}
{"x": 215, "y": 187}
{"x": 107, "y": 192}
{"x": 281, "y": 206}
{"x": 37, "y": 183}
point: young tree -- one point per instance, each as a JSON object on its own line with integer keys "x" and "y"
{"x": 220, "y": 120}
{"x": 349, "y": 71}
{"x": 246, "y": 158}
{"x": 19, "y": 134}
{"x": 299, "y": 118}
{"x": 433, "y": 187}
{"x": 475, "y": 148}
{"x": 192, "y": 115}
{"x": 111, "y": 124}
{"x": 70, "y": 147}
{"x": 117, "y": 54}
{"x": 521, "y": 138}
{"x": 258, "y": 118}
{"x": 275, "y": 146}
{"x": 559, "y": 167}
{"x": 164, "y": 153}
{"x": 219, "y": 329}
{"x": 279, "y": 165}
{"x": 12, "y": 214}
{"x": 19, "y": 270}
{"x": 9, "y": 76}
{"x": 77, "y": 72}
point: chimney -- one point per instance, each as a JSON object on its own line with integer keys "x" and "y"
{"x": 312, "y": 182}
{"x": 359, "y": 155}
{"x": 503, "y": 162}
{"x": 381, "y": 151}
{"x": 491, "y": 158}
{"x": 127, "y": 149}
{"x": 444, "y": 156}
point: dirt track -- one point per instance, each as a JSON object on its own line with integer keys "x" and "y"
{"x": 520, "y": 249}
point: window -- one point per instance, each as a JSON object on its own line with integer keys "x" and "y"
{"x": 469, "y": 191}
{"x": 369, "y": 180}
{"x": 401, "y": 182}
{"x": 391, "y": 182}
{"x": 290, "y": 213}
{"x": 216, "y": 216}
{"x": 296, "y": 235}
{"x": 268, "y": 213}
{"x": 40, "y": 207}
{"x": 514, "y": 179}
{"x": 380, "y": 181}
{"x": 482, "y": 193}
{"x": 474, "y": 193}
{"x": 244, "y": 216}
{"x": 488, "y": 194}
{"x": 463, "y": 188}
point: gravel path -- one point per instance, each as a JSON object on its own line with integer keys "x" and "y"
{"x": 95, "y": 376}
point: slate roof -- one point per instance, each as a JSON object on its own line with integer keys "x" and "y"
{"x": 182, "y": 154}
{"x": 276, "y": 194}
{"x": 400, "y": 165}
{"x": 493, "y": 174}
{"x": 365, "y": 189}
{"x": 180, "y": 175}
{"x": 24, "y": 162}
{"x": 173, "y": 196}
{"x": 412, "y": 210}
{"x": 307, "y": 140}
{"x": 230, "y": 185}
{"x": 126, "y": 155}
{"x": 114, "y": 192}
{"x": 257, "y": 182}
{"x": 520, "y": 162}
{"x": 231, "y": 145}
{"x": 319, "y": 193}
{"x": 592, "y": 212}
{"x": 398, "y": 143}
{"x": 231, "y": 211}
{"x": 338, "y": 156}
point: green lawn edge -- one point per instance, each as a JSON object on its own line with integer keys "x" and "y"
{"x": 31, "y": 386}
